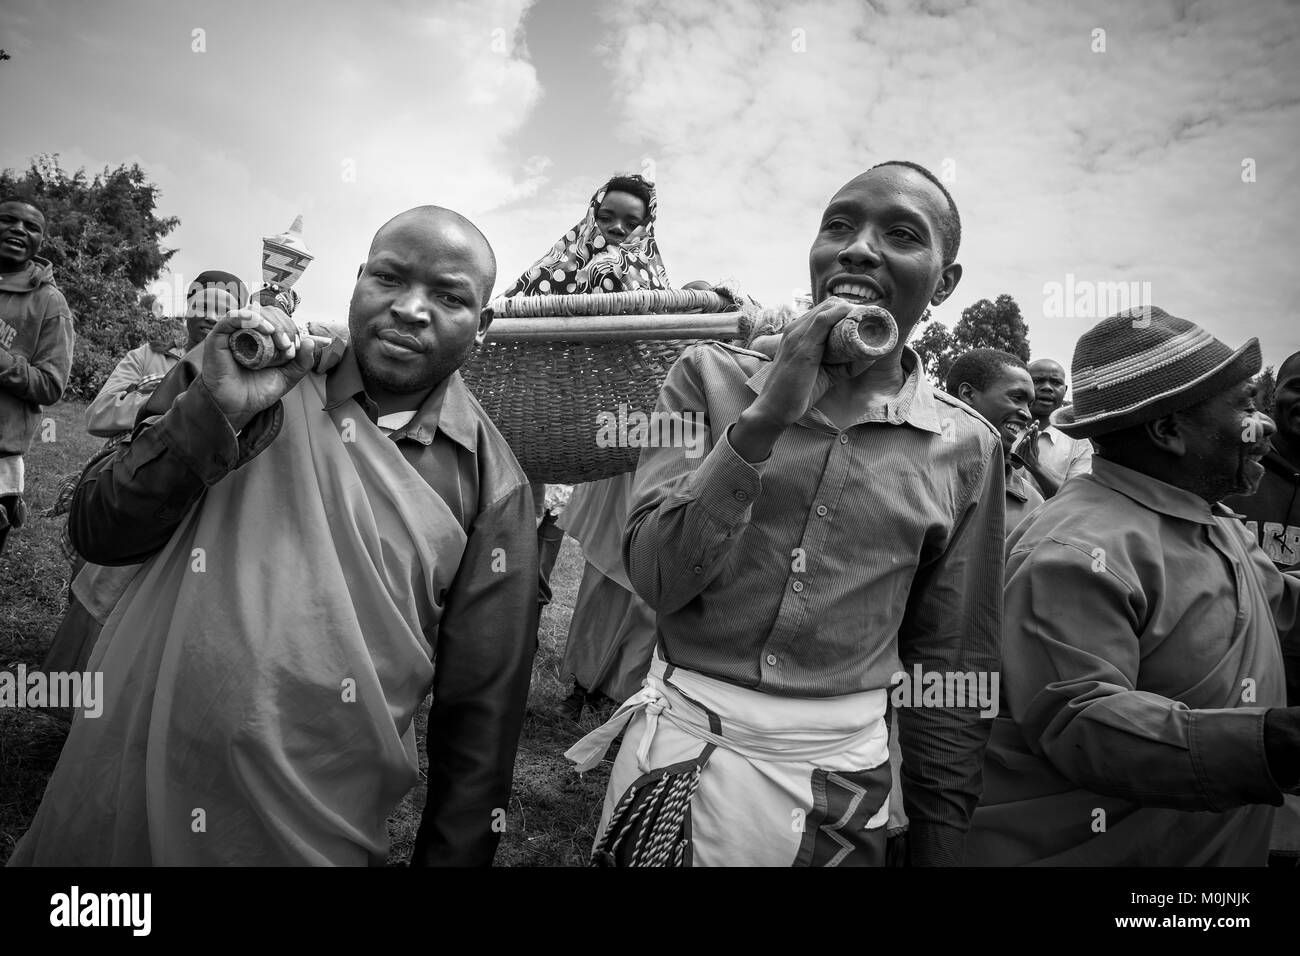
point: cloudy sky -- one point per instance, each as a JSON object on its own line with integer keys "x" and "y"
{"x": 1153, "y": 144}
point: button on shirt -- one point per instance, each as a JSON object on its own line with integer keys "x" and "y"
{"x": 844, "y": 556}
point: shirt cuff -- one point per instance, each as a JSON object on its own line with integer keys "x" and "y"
{"x": 725, "y": 484}
{"x": 1227, "y": 750}
{"x": 934, "y": 844}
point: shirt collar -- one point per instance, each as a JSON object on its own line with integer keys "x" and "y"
{"x": 914, "y": 404}
{"x": 449, "y": 408}
{"x": 1151, "y": 492}
{"x": 1015, "y": 485}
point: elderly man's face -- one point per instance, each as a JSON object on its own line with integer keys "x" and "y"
{"x": 418, "y": 305}
{"x": 1224, "y": 439}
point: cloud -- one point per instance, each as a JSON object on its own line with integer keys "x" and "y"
{"x": 342, "y": 114}
{"x": 1122, "y": 165}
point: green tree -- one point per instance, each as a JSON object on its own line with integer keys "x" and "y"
{"x": 1265, "y": 390}
{"x": 103, "y": 237}
{"x": 984, "y": 325}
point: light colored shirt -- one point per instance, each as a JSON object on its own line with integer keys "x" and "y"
{"x": 1140, "y": 653}
{"x": 114, "y": 409}
{"x": 824, "y": 570}
{"x": 1064, "y": 455}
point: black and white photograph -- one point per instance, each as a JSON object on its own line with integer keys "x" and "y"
{"x": 651, "y": 433}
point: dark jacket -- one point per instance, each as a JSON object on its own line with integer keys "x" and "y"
{"x": 1273, "y": 512}
{"x": 36, "y": 339}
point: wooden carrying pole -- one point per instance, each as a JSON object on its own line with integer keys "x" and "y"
{"x": 615, "y": 328}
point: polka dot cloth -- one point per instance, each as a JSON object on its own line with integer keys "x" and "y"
{"x": 581, "y": 261}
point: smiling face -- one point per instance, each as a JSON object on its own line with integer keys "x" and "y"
{"x": 1286, "y": 400}
{"x": 880, "y": 241}
{"x": 203, "y": 310}
{"x": 1005, "y": 402}
{"x": 1224, "y": 439}
{"x": 1049, "y": 387}
{"x": 22, "y": 227}
{"x": 619, "y": 215}
{"x": 420, "y": 303}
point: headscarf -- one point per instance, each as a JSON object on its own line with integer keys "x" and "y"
{"x": 582, "y": 261}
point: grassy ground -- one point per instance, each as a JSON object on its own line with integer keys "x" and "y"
{"x": 553, "y": 812}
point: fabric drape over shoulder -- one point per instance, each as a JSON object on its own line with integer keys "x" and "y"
{"x": 262, "y": 671}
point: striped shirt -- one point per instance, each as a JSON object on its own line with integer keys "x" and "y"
{"x": 847, "y": 556}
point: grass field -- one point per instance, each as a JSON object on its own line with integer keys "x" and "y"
{"x": 553, "y": 812}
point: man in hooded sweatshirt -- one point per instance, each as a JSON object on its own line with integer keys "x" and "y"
{"x": 35, "y": 347}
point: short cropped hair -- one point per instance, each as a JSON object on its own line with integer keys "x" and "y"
{"x": 951, "y": 225}
{"x": 980, "y": 368}
{"x": 639, "y": 187}
{"x": 25, "y": 201}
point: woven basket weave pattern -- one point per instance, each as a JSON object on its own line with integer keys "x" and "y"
{"x": 546, "y": 396}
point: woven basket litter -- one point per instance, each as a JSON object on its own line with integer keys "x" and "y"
{"x": 553, "y": 364}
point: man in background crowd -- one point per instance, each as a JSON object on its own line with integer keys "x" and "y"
{"x": 95, "y": 588}
{"x": 36, "y": 338}
{"x": 211, "y": 295}
{"x": 1272, "y": 517}
{"x": 1059, "y": 456}
{"x": 997, "y": 385}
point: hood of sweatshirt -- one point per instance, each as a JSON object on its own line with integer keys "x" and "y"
{"x": 38, "y": 272}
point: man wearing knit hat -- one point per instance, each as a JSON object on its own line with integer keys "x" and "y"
{"x": 1143, "y": 650}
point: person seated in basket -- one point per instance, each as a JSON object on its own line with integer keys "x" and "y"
{"x": 611, "y": 636}
{"x": 843, "y": 529}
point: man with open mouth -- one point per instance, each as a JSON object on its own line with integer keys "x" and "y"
{"x": 1147, "y": 634}
{"x": 36, "y": 337}
{"x": 1272, "y": 515}
{"x": 997, "y": 385}
{"x": 844, "y": 524}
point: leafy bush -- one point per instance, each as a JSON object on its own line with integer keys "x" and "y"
{"x": 103, "y": 239}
